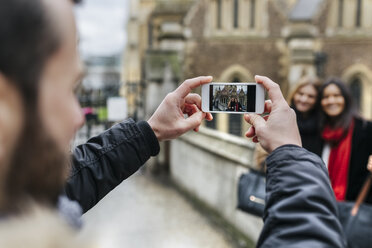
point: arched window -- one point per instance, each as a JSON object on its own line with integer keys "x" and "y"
{"x": 340, "y": 12}
{"x": 253, "y": 14}
{"x": 219, "y": 14}
{"x": 358, "y": 21}
{"x": 356, "y": 91}
{"x": 236, "y": 13}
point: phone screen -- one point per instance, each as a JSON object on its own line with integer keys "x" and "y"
{"x": 232, "y": 98}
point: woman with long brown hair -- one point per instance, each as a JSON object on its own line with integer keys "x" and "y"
{"x": 347, "y": 141}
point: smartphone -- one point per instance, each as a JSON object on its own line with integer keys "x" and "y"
{"x": 234, "y": 98}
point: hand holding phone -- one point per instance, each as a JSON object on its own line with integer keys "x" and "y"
{"x": 167, "y": 122}
{"x": 280, "y": 126}
{"x": 234, "y": 98}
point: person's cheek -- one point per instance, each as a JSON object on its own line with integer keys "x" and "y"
{"x": 77, "y": 116}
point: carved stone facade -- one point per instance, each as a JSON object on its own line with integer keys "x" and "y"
{"x": 233, "y": 40}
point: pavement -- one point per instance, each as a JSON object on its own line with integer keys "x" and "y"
{"x": 144, "y": 212}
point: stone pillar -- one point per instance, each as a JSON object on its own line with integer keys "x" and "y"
{"x": 302, "y": 45}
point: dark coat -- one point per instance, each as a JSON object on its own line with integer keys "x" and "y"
{"x": 360, "y": 151}
{"x": 107, "y": 159}
{"x": 361, "y": 148}
{"x": 310, "y": 132}
{"x": 300, "y": 206}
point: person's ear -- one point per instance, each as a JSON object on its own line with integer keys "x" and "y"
{"x": 11, "y": 116}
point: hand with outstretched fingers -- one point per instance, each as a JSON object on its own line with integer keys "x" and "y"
{"x": 169, "y": 122}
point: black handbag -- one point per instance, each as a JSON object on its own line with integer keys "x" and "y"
{"x": 356, "y": 219}
{"x": 251, "y": 192}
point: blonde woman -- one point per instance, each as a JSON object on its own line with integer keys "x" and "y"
{"x": 303, "y": 99}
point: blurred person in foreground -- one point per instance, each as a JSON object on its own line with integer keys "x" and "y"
{"x": 300, "y": 206}
{"x": 39, "y": 115}
{"x": 41, "y": 228}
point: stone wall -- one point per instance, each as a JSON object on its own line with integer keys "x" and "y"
{"x": 208, "y": 164}
{"x": 345, "y": 52}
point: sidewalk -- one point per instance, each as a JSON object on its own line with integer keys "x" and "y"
{"x": 143, "y": 212}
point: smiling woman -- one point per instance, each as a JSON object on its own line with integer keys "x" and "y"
{"x": 347, "y": 140}
{"x": 303, "y": 99}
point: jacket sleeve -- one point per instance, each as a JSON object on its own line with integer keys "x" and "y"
{"x": 300, "y": 205}
{"x": 106, "y": 160}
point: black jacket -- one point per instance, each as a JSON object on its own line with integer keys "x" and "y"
{"x": 106, "y": 160}
{"x": 361, "y": 148}
{"x": 300, "y": 206}
{"x": 300, "y": 209}
{"x": 360, "y": 151}
{"x": 310, "y": 132}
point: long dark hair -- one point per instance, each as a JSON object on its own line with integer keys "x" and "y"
{"x": 347, "y": 114}
{"x": 28, "y": 39}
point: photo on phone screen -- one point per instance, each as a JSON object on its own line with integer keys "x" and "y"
{"x": 232, "y": 98}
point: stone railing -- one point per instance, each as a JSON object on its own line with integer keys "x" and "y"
{"x": 207, "y": 165}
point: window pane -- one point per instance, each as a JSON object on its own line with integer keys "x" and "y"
{"x": 236, "y": 13}
{"x": 359, "y": 13}
{"x": 340, "y": 12}
{"x": 219, "y": 14}
{"x": 356, "y": 91}
{"x": 253, "y": 13}
{"x": 235, "y": 124}
{"x": 212, "y": 124}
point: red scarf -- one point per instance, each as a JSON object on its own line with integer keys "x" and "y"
{"x": 339, "y": 158}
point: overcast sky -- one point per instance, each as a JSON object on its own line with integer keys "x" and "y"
{"x": 102, "y": 26}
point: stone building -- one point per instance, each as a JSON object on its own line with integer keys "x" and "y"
{"x": 233, "y": 40}
{"x": 136, "y": 47}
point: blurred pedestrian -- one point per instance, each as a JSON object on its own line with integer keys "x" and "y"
{"x": 348, "y": 141}
{"x": 303, "y": 99}
{"x": 41, "y": 227}
{"x": 90, "y": 119}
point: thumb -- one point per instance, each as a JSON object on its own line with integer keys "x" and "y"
{"x": 255, "y": 120}
{"x": 194, "y": 120}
